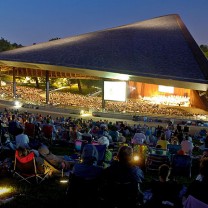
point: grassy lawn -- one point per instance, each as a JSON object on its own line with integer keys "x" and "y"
{"x": 51, "y": 191}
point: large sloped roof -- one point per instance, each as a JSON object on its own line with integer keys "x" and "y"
{"x": 159, "y": 51}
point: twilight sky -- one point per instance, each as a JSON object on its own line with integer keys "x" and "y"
{"x": 34, "y": 21}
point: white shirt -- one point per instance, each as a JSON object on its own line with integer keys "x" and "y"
{"x": 187, "y": 146}
{"x": 138, "y": 138}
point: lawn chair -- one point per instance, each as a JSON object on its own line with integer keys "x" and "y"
{"x": 181, "y": 165}
{"x": 26, "y": 170}
{"x": 47, "y": 131}
{"x": 101, "y": 153}
{"x": 79, "y": 145}
{"x": 121, "y": 194}
{"x": 30, "y": 130}
{"x": 83, "y": 192}
{"x": 155, "y": 159}
{"x": 173, "y": 148}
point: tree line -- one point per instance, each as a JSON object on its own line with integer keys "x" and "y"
{"x": 5, "y": 45}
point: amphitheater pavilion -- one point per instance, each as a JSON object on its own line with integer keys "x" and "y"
{"x": 146, "y": 54}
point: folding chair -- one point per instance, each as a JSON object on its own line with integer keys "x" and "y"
{"x": 181, "y": 165}
{"x": 153, "y": 161}
{"x": 101, "y": 153}
{"x": 47, "y": 131}
{"x": 79, "y": 145}
{"x": 25, "y": 168}
{"x": 83, "y": 192}
{"x": 121, "y": 194}
{"x": 173, "y": 148}
{"x": 30, "y": 130}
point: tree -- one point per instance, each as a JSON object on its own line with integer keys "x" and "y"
{"x": 204, "y": 49}
{"x": 52, "y": 39}
{"x": 6, "y": 45}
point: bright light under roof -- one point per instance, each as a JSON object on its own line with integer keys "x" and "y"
{"x": 167, "y": 89}
{"x": 123, "y": 77}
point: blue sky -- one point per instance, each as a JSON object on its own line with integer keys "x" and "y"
{"x": 34, "y": 21}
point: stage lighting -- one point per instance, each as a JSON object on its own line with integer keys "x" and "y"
{"x": 17, "y": 103}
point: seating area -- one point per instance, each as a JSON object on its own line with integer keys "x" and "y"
{"x": 154, "y": 161}
{"x": 79, "y": 145}
{"x": 83, "y": 193}
{"x": 153, "y": 157}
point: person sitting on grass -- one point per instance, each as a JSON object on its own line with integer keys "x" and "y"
{"x": 108, "y": 154}
{"x": 162, "y": 141}
{"x": 23, "y": 152}
{"x": 165, "y": 192}
{"x": 22, "y": 140}
{"x": 85, "y": 180}
{"x": 198, "y": 188}
{"x": 122, "y": 181}
{"x": 87, "y": 168}
{"x": 57, "y": 162}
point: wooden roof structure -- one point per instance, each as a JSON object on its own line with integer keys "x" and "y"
{"x": 160, "y": 50}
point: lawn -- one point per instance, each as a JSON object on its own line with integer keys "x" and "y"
{"x": 51, "y": 191}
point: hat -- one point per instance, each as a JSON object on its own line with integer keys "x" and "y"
{"x": 103, "y": 140}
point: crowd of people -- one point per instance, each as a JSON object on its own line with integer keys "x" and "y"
{"x": 118, "y": 171}
{"x": 67, "y": 99}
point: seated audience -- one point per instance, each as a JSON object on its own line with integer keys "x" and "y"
{"x": 47, "y": 132}
{"x": 187, "y": 146}
{"x": 198, "y": 188}
{"x": 22, "y": 140}
{"x": 88, "y": 168}
{"x": 108, "y": 154}
{"x": 121, "y": 138}
{"x": 22, "y": 152}
{"x": 165, "y": 192}
{"x": 13, "y": 126}
{"x": 162, "y": 141}
{"x": 122, "y": 180}
{"x": 85, "y": 180}
{"x": 138, "y": 138}
{"x": 74, "y": 134}
{"x": 114, "y": 133}
{"x": 206, "y": 142}
{"x": 58, "y": 162}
